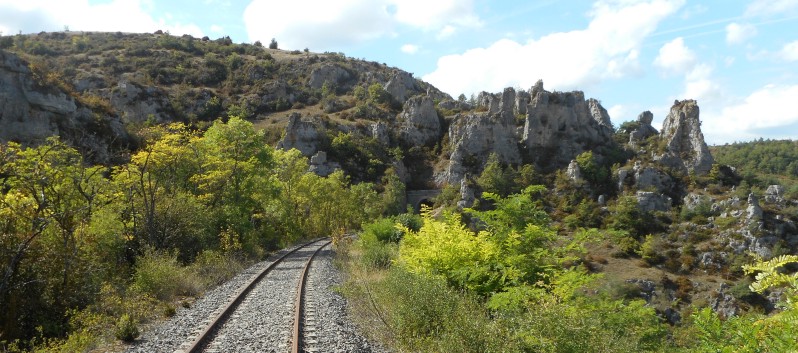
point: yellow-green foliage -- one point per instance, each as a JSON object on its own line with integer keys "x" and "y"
{"x": 180, "y": 216}
{"x": 448, "y": 249}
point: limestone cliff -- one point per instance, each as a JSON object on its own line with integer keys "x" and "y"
{"x": 418, "y": 123}
{"x": 685, "y": 148}
{"x": 474, "y": 136}
{"x": 31, "y": 111}
{"x": 561, "y": 125}
{"x": 302, "y": 135}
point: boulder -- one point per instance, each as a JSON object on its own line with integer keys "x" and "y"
{"x": 723, "y": 303}
{"x": 774, "y": 194}
{"x": 320, "y": 165}
{"x": 650, "y": 201}
{"x": 685, "y": 148}
{"x": 138, "y": 103}
{"x": 753, "y": 211}
{"x": 644, "y": 129}
{"x": 574, "y": 172}
{"x": 467, "y": 194}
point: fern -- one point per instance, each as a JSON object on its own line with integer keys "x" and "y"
{"x": 769, "y": 277}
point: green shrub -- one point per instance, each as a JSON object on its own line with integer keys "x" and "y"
{"x": 160, "y": 275}
{"x": 382, "y": 230}
{"x": 651, "y": 251}
{"x": 214, "y": 268}
{"x": 422, "y": 306}
{"x": 126, "y": 329}
{"x": 410, "y": 221}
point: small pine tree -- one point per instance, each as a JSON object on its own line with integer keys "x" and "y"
{"x": 273, "y": 44}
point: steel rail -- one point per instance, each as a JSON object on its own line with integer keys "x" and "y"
{"x": 199, "y": 342}
{"x": 296, "y": 340}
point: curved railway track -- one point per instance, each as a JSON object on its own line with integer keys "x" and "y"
{"x": 215, "y": 337}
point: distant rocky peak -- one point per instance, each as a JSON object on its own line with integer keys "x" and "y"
{"x": 685, "y": 148}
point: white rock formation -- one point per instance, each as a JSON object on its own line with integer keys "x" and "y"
{"x": 685, "y": 146}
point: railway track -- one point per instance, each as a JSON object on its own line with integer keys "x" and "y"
{"x": 262, "y": 316}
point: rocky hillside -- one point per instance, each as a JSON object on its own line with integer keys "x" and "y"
{"x": 685, "y": 215}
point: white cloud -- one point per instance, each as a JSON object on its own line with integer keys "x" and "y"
{"x": 618, "y": 112}
{"x": 608, "y": 48}
{"x": 790, "y": 51}
{"x": 433, "y": 15}
{"x": 771, "y": 7}
{"x": 80, "y": 15}
{"x": 739, "y": 33}
{"x": 765, "y": 108}
{"x": 675, "y": 58}
{"x": 217, "y": 29}
{"x": 446, "y": 32}
{"x": 699, "y": 85}
{"x": 409, "y": 48}
{"x": 316, "y": 24}
{"x": 333, "y": 23}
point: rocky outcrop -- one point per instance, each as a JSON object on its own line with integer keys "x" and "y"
{"x": 574, "y": 172}
{"x": 419, "y": 123}
{"x": 644, "y": 129}
{"x": 335, "y": 76}
{"x": 473, "y": 138}
{"x": 685, "y": 148}
{"x": 453, "y": 105}
{"x": 300, "y": 134}
{"x": 774, "y": 194}
{"x": 650, "y": 201}
{"x": 137, "y": 103}
{"x": 753, "y": 211}
{"x": 402, "y": 86}
{"x": 723, "y": 303}
{"x": 561, "y": 125}
{"x": 31, "y": 112}
{"x": 379, "y": 131}
{"x": 645, "y": 178}
{"x": 320, "y": 165}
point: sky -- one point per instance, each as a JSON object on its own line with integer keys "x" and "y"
{"x": 737, "y": 58}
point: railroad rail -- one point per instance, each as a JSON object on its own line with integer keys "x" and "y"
{"x": 203, "y": 339}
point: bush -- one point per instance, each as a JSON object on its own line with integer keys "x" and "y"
{"x": 382, "y": 230}
{"x": 126, "y": 329}
{"x": 378, "y": 255}
{"x": 423, "y": 306}
{"x": 214, "y": 268}
{"x": 160, "y": 275}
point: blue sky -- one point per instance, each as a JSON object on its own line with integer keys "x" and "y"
{"x": 738, "y": 58}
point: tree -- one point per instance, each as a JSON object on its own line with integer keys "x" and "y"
{"x": 494, "y": 179}
{"x": 273, "y": 44}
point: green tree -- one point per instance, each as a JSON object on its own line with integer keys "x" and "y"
{"x": 495, "y": 179}
{"x": 273, "y": 44}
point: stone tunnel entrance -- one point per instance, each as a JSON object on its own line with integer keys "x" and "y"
{"x": 417, "y": 198}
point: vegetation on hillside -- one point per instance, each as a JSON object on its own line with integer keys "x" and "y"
{"x": 83, "y": 246}
{"x": 763, "y": 162}
{"x": 541, "y": 262}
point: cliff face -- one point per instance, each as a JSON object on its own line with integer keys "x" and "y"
{"x": 143, "y": 78}
{"x": 561, "y": 125}
{"x": 685, "y": 148}
{"x": 30, "y": 112}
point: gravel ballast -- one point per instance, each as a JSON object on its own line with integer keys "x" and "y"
{"x": 262, "y": 322}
